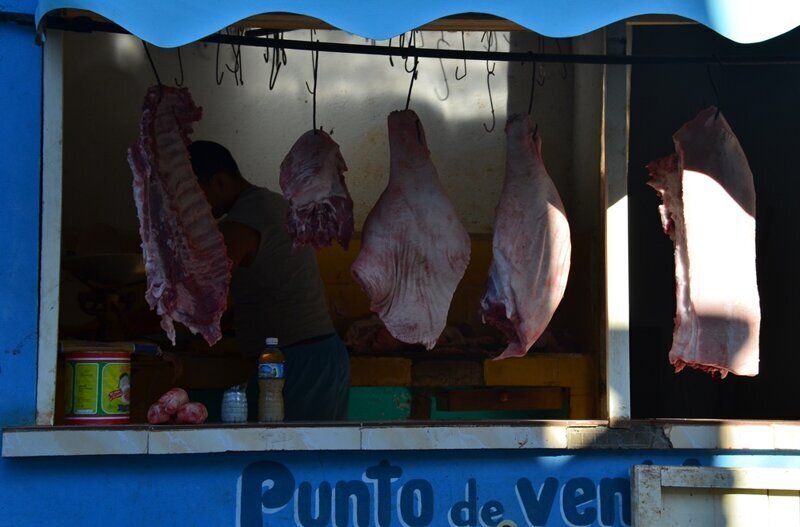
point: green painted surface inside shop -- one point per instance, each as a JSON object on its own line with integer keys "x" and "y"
{"x": 380, "y": 403}
{"x": 393, "y": 403}
{"x": 445, "y": 415}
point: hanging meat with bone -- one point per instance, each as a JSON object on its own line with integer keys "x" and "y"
{"x": 414, "y": 249}
{"x": 186, "y": 263}
{"x": 312, "y": 180}
{"x": 708, "y": 210}
{"x": 530, "y": 248}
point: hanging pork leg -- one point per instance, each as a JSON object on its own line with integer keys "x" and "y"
{"x": 708, "y": 211}
{"x": 530, "y": 247}
{"x": 312, "y": 180}
{"x": 414, "y": 249}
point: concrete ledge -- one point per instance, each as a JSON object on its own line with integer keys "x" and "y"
{"x": 743, "y": 436}
{"x": 444, "y": 437}
{"x": 49, "y": 441}
{"x": 407, "y": 435}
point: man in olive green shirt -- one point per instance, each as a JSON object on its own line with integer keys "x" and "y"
{"x": 275, "y": 292}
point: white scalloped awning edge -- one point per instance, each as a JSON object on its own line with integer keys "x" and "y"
{"x": 171, "y": 23}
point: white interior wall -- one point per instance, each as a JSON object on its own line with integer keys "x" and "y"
{"x": 106, "y": 77}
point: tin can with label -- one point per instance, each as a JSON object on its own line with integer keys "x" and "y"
{"x": 98, "y": 387}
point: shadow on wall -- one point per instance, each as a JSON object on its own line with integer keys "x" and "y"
{"x": 106, "y": 77}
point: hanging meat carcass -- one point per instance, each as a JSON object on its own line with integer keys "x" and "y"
{"x": 312, "y": 180}
{"x": 708, "y": 210}
{"x": 531, "y": 245}
{"x": 414, "y": 249}
{"x": 186, "y": 263}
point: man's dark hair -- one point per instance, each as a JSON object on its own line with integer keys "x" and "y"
{"x": 209, "y": 157}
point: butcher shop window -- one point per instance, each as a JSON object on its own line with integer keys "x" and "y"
{"x": 258, "y": 110}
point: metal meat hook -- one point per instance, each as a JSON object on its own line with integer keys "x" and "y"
{"x": 277, "y": 62}
{"x": 217, "y": 75}
{"x": 155, "y": 72}
{"x": 412, "y": 43}
{"x": 713, "y": 87}
{"x": 489, "y": 74}
{"x": 530, "y": 99}
{"x": 444, "y": 73}
{"x": 314, "y": 66}
{"x": 274, "y": 69}
{"x": 463, "y": 48}
{"x": 237, "y": 66}
{"x": 533, "y": 86}
{"x": 490, "y": 38}
{"x": 413, "y": 78}
{"x": 542, "y": 72}
{"x": 314, "y": 58}
{"x": 180, "y": 64}
{"x": 237, "y": 60}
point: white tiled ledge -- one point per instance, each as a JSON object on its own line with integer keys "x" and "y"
{"x": 574, "y": 435}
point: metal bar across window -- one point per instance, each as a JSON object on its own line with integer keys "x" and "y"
{"x": 260, "y": 38}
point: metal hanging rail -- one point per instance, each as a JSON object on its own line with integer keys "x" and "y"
{"x": 261, "y": 38}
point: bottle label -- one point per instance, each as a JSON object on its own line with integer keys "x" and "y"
{"x": 270, "y": 370}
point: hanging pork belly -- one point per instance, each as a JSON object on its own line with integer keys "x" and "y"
{"x": 530, "y": 247}
{"x": 708, "y": 210}
{"x": 312, "y": 180}
{"x": 186, "y": 263}
{"x": 414, "y": 249}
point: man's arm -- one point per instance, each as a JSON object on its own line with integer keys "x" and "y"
{"x": 242, "y": 242}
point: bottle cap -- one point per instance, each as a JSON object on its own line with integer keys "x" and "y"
{"x": 229, "y": 396}
{"x": 272, "y": 341}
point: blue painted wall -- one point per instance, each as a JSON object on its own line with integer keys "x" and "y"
{"x": 20, "y": 152}
{"x": 530, "y": 488}
{"x": 391, "y": 488}
{"x": 18, "y": 6}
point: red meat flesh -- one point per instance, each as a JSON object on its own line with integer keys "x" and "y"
{"x": 312, "y": 180}
{"x": 531, "y": 245}
{"x": 192, "y": 414}
{"x": 187, "y": 267}
{"x": 708, "y": 210}
{"x": 173, "y": 399}
{"x": 157, "y": 415}
{"x": 414, "y": 249}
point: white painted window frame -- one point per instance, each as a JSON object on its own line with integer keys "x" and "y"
{"x": 648, "y": 481}
{"x": 50, "y": 243}
{"x": 614, "y": 170}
